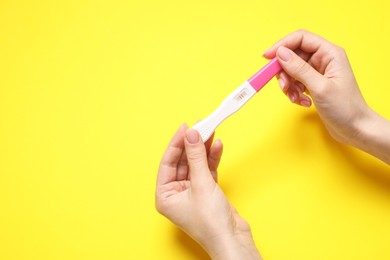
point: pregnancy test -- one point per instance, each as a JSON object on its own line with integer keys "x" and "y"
{"x": 237, "y": 99}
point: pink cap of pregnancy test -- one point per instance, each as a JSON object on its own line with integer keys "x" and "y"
{"x": 264, "y": 75}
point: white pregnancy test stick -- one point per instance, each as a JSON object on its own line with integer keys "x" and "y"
{"x": 237, "y": 99}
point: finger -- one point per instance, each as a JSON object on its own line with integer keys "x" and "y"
{"x": 287, "y": 84}
{"x": 304, "y": 100}
{"x": 209, "y": 142}
{"x": 182, "y": 168}
{"x": 197, "y": 158}
{"x": 284, "y": 81}
{"x": 304, "y": 55}
{"x": 296, "y": 94}
{"x": 214, "y": 158}
{"x": 297, "y": 68}
{"x": 171, "y": 157}
{"x": 299, "y": 86}
{"x": 303, "y": 40}
{"x": 292, "y": 94}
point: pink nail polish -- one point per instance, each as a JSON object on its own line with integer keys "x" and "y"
{"x": 305, "y": 103}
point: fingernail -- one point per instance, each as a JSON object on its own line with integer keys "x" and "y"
{"x": 305, "y": 103}
{"x": 192, "y": 136}
{"x": 291, "y": 96}
{"x": 218, "y": 141}
{"x": 266, "y": 52}
{"x": 281, "y": 83}
{"x": 284, "y": 53}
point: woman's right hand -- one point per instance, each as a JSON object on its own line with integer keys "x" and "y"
{"x": 317, "y": 67}
{"x": 320, "y": 69}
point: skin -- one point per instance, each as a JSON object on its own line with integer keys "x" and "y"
{"x": 314, "y": 67}
{"x": 314, "y": 71}
{"x": 187, "y": 193}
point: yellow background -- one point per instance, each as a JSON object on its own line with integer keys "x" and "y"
{"x": 92, "y": 91}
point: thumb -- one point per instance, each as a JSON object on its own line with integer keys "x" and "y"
{"x": 297, "y": 68}
{"x": 196, "y": 157}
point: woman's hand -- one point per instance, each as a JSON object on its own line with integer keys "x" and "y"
{"x": 317, "y": 67}
{"x": 187, "y": 193}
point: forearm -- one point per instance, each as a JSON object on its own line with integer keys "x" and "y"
{"x": 374, "y": 136}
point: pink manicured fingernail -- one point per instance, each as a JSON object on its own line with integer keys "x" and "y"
{"x": 281, "y": 83}
{"x": 284, "y": 53}
{"x": 291, "y": 96}
{"x": 305, "y": 103}
{"x": 192, "y": 136}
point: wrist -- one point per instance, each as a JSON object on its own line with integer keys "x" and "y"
{"x": 239, "y": 245}
{"x": 352, "y": 129}
{"x": 373, "y": 136}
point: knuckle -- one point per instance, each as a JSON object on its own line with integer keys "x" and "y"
{"x": 301, "y": 31}
{"x": 195, "y": 155}
{"x": 339, "y": 51}
{"x": 302, "y": 67}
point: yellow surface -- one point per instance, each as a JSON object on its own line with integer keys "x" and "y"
{"x": 91, "y": 92}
